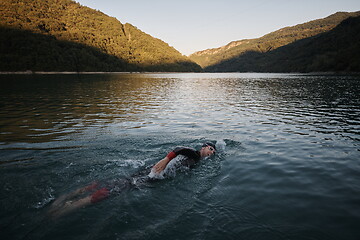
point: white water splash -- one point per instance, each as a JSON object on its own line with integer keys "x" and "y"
{"x": 154, "y": 175}
{"x": 220, "y": 145}
{"x": 126, "y": 163}
{"x": 132, "y": 163}
{"x": 46, "y": 200}
{"x": 170, "y": 170}
{"x": 70, "y": 164}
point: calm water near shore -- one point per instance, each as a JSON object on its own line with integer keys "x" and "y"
{"x": 287, "y": 167}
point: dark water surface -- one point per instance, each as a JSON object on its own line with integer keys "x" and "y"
{"x": 288, "y": 165}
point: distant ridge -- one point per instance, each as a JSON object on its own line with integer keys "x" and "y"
{"x": 62, "y": 35}
{"x": 268, "y": 53}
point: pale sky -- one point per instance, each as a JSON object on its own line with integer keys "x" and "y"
{"x": 194, "y": 25}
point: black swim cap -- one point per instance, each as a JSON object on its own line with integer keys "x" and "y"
{"x": 209, "y": 144}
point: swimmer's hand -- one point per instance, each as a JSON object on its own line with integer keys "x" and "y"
{"x": 161, "y": 165}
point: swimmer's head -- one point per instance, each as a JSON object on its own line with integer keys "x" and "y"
{"x": 207, "y": 149}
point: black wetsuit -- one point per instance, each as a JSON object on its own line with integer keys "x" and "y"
{"x": 142, "y": 178}
{"x": 192, "y": 156}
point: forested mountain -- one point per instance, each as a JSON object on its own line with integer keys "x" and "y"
{"x": 335, "y": 51}
{"x": 314, "y": 46}
{"x": 62, "y": 35}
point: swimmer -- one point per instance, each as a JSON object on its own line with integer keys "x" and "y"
{"x": 97, "y": 192}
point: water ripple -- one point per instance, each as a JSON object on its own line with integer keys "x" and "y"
{"x": 287, "y": 164}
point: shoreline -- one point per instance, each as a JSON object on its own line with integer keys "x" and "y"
{"x": 84, "y": 73}
{"x": 29, "y": 72}
{"x": 44, "y": 72}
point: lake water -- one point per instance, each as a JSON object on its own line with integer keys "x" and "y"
{"x": 287, "y": 167}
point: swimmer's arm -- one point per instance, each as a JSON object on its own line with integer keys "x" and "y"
{"x": 161, "y": 165}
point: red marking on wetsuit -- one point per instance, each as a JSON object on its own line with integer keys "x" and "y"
{"x": 100, "y": 195}
{"x": 171, "y": 155}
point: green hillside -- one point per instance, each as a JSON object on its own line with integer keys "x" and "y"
{"x": 62, "y": 35}
{"x": 335, "y": 51}
{"x": 245, "y": 55}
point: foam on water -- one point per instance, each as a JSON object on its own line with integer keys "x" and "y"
{"x": 220, "y": 145}
{"x": 170, "y": 170}
{"x": 49, "y": 197}
{"x": 128, "y": 163}
{"x": 287, "y": 155}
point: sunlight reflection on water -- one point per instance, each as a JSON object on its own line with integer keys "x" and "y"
{"x": 287, "y": 166}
